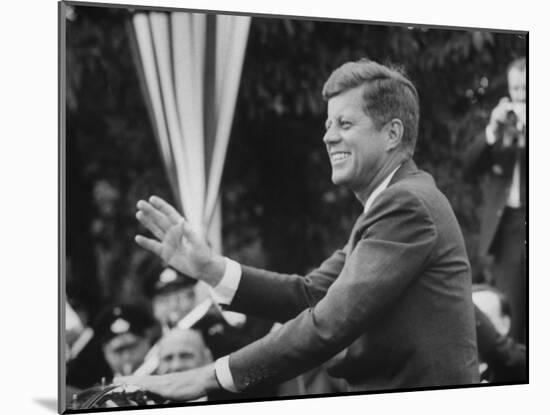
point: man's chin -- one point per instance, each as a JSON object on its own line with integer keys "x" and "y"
{"x": 338, "y": 179}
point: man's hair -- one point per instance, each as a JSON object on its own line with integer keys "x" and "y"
{"x": 388, "y": 93}
{"x": 519, "y": 64}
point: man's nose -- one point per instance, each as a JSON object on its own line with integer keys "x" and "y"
{"x": 178, "y": 365}
{"x": 331, "y": 136}
{"x": 126, "y": 366}
{"x": 173, "y": 304}
{"x": 126, "y": 357}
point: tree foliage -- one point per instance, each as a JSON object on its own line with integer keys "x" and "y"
{"x": 280, "y": 209}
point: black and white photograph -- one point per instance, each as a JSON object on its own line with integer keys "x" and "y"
{"x": 265, "y": 207}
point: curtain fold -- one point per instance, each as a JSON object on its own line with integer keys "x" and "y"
{"x": 191, "y": 66}
{"x": 231, "y": 45}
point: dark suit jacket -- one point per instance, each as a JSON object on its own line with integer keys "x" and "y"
{"x": 397, "y": 298}
{"x": 496, "y": 162}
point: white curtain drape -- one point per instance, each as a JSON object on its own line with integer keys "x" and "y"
{"x": 191, "y": 66}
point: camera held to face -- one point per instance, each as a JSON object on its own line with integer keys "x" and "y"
{"x": 513, "y": 128}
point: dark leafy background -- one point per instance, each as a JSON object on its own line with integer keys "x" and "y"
{"x": 280, "y": 209}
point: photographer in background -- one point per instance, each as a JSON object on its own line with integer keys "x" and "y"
{"x": 499, "y": 155}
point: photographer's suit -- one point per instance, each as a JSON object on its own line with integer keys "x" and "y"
{"x": 394, "y": 305}
{"x": 503, "y": 228}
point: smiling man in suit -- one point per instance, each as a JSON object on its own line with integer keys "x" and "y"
{"x": 391, "y": 309}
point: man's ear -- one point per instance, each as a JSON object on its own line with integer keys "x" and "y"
{"x": 395, "y": 131}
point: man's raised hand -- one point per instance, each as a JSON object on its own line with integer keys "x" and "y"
{"x": 177, "y": 243}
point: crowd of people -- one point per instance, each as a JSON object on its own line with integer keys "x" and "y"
{"x": 394, "y": 308}
{"x": 171, "y": 333}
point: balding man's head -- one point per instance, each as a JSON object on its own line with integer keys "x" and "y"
{"x": 494, "y": 304}
{"x": 182, "y": 350}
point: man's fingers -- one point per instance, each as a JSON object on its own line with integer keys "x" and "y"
{"x": 166, "y": 208}
{"x": 146, "y": 221}
{"x": 125, "y": 380}
{"x": 150, "y": 383}
{"x": 154, "y": 215}
{"x": 150, "y": 244}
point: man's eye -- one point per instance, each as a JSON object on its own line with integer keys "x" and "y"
{"x": 345, "y": 124}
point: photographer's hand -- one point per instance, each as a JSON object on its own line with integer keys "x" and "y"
{"x": 177, "y": 243}
{"x": 498, "y": 118}
{"x": 500, "y": 112}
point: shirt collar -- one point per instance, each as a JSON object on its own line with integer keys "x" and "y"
{"x": 382, "y": 186}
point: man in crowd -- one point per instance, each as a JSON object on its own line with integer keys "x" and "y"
{"x": 499, "y": 155}
{"x": 391, "y": 309}
{"x": 181, "y": 350}
{"x": 172, "y": 296}
{"x": 125, "y": 333}
{"x": 209, "y": 335}
{"x": 502, "y": 359}
{"x": 121, "y": 336}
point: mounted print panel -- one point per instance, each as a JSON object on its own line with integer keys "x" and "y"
{"x": 262, "y": 207}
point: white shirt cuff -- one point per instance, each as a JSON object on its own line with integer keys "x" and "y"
{"x": 490, "y": 136}
{"x": 223, "y": 374}
{"x": 224, "y": 292}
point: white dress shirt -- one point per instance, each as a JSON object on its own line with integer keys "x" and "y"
{"x": 224, "y": 292}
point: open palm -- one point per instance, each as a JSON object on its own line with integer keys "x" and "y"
{"x": 177, "y": 243}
